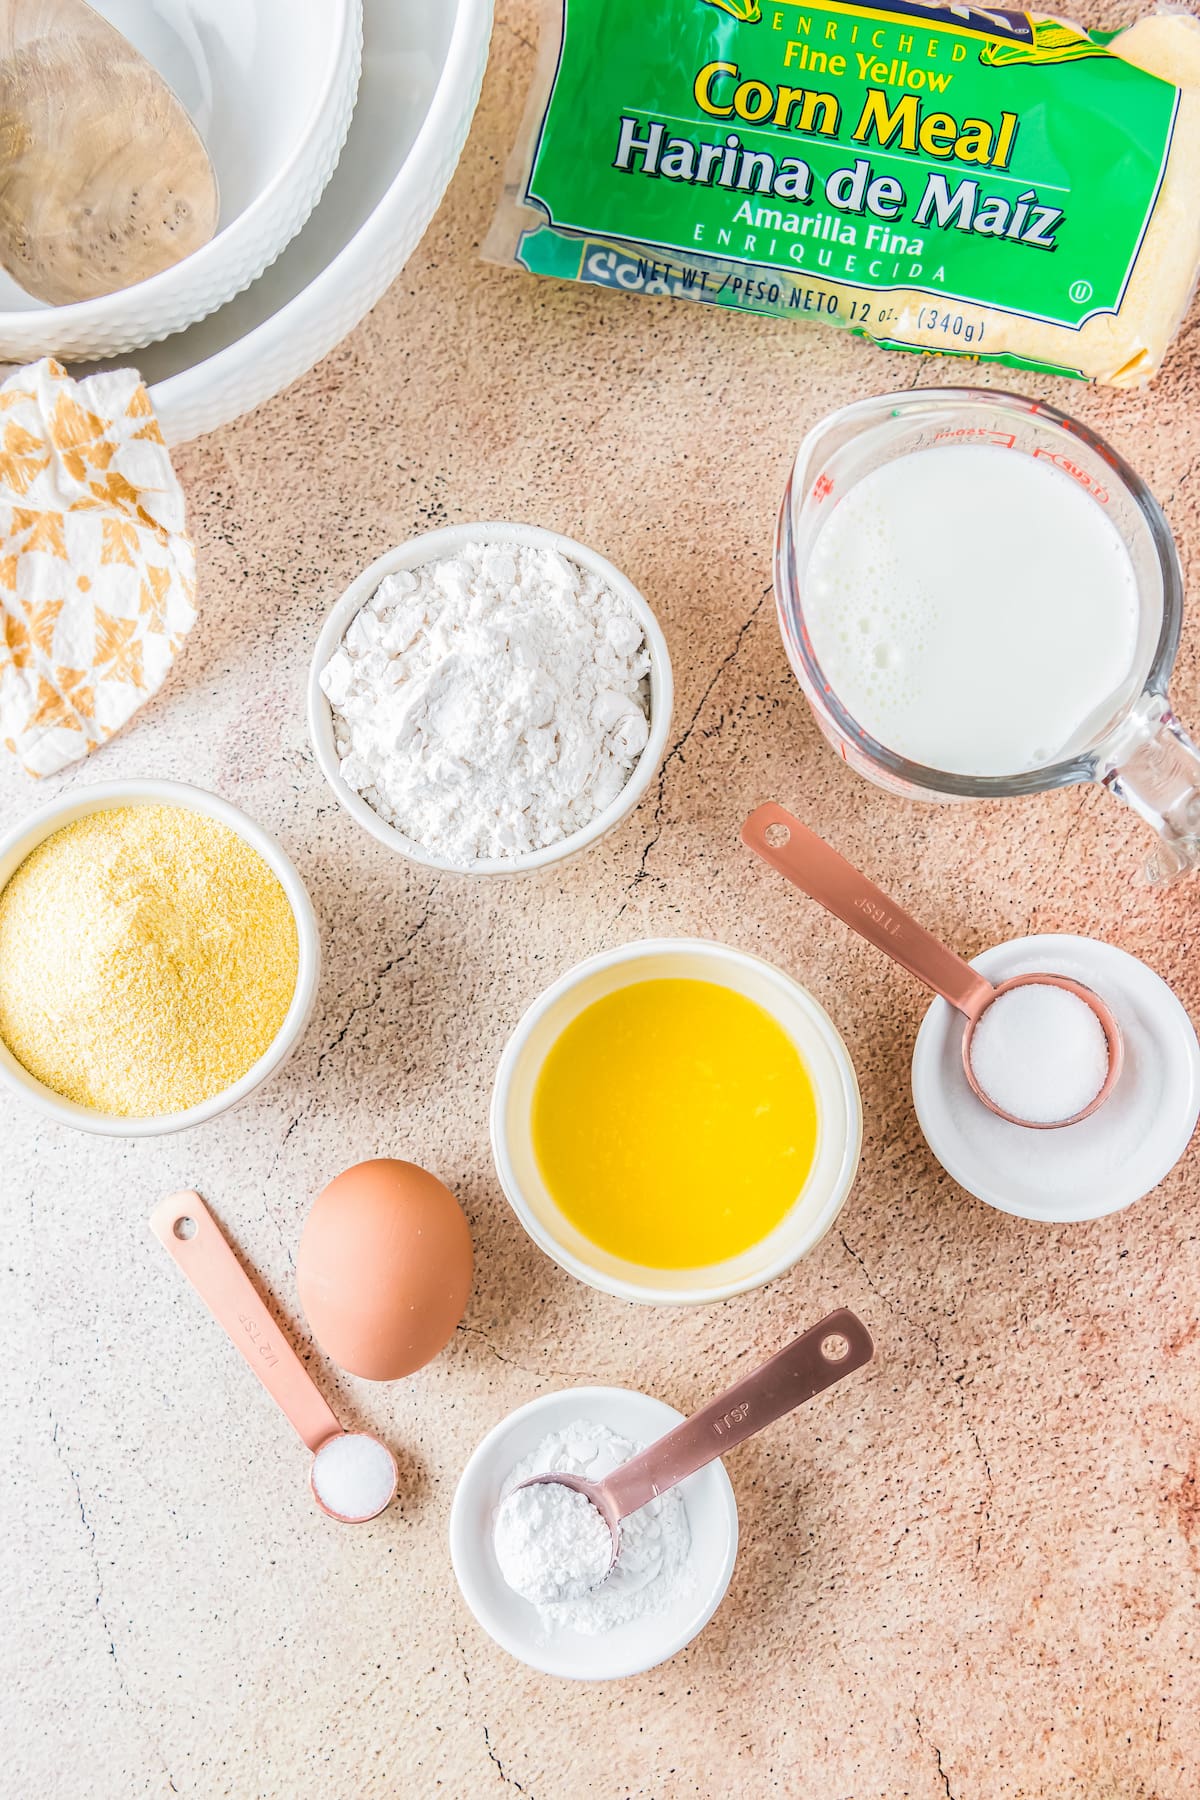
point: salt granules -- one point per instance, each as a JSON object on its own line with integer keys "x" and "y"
{"x": 1039, "y": 1053}
{"x": 354, "y": 1475}
{"x": 148, "y": 957}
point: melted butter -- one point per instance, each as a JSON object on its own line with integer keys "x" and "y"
{"x": 674, "y": 1123}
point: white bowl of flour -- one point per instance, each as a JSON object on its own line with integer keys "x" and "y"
{"x": 490, "y": 698}
{"x": 682, "y": 1561}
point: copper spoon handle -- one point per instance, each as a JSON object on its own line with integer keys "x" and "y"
{"x": 818, "y": 870}
{"x": 218, "y": 1277}
{"x": 836, "y": 1347}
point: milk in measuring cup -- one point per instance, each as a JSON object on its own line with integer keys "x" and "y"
{"x": 973, "y": 609}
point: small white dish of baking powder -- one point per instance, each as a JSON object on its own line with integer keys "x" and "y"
{"x": 490, "y": 699}
{"x": 678, "y": 1565}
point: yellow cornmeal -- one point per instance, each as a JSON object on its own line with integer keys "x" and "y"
{"x": 148, "y": 957}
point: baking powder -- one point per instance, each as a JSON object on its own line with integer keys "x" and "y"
{"x": 551, "y": 1543}
{"x": 652, "y": 1566}
{"x": 490, "y": 703}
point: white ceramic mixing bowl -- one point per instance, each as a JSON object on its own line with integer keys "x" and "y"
{"x": 423, "y": 61}
{"x": 428, "y": 548}
{"x": 816, "y": 1037}
{"x": 270, "y": 86}
{"x": 20, "y": 842}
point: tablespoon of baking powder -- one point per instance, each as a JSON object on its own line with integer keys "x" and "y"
{"x": 580, "y": 1520}
{"x": 353, "y": 1476}
{"x": 1039, "y": 1050}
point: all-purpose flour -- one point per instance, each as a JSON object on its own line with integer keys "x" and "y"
{"x": 492, "y": 702}
{"x": 651, "y": 1569}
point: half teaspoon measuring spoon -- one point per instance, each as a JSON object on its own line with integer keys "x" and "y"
{"x": 185, "y": 1227}
{"x": 836, "y": 1347}
{"x": 819, "y": 871}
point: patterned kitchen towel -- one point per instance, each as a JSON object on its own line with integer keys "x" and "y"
{"x": 97, "y": 574}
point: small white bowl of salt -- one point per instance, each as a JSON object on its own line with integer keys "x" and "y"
{"x": 1102, "y": 1162}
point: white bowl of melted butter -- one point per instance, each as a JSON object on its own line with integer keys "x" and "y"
{"x": 814, "y": 1199}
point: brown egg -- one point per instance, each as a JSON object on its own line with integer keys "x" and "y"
{"x": 384, "y": 1268}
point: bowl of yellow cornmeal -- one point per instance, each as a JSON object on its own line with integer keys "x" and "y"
{"x": 159, "y": 958}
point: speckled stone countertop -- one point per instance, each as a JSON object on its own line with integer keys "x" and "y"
{"x": 973, "y": 1572}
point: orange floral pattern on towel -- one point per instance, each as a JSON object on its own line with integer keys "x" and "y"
{"x": 97, "y": 574}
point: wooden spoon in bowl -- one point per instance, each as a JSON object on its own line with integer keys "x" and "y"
{"x": 104, "y": 180}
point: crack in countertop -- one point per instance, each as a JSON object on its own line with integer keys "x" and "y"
{"x": 658, "y": 825}
{"x": 937, "y": 1751}
{"x": 61, "y": 1450}
{"x": 512, "y": 1363}
{"x": 955, "y": 1382}
{"x": 493, "y": 1756}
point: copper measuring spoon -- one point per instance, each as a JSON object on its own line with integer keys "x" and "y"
{"x": 819, "y": 871}
{"x": 187, "y": 1230}
{"x": 836, "y": 1347}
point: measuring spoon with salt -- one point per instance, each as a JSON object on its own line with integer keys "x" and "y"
{"x": 807, "y": 1366}
{"x": 819, "y": 871}
{"x": 353, "y": 1475}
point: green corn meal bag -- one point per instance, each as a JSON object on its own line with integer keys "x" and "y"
{"x": 949, "y": 178}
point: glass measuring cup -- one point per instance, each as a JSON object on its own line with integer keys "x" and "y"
{"x": 1139, "y": 751}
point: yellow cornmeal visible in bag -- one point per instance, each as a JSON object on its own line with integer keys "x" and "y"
{"x": 148, "y": 957}
{"x": 935, "y": 175}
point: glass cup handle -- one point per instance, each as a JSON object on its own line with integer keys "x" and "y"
{"x": 1154, "y": 767}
